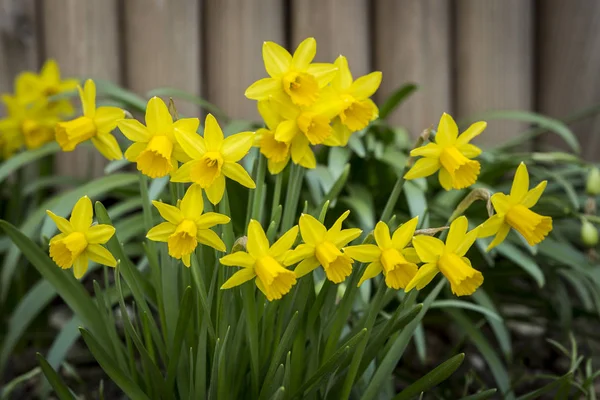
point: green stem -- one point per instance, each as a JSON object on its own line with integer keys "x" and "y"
{"x": 291, "y": 197}
{"x": 252, "y": 325}
{"x": 260, "y": 187}
{"x": 276, "y": 194}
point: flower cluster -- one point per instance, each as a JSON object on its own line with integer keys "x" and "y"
{"x": 32, "y": 112}
{"x": 305, "y": 103}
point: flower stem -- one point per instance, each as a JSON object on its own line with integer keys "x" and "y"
{"x": 276, "y": 195}
{"x": 291, "y": 197}
{"x": 260, "y": 187}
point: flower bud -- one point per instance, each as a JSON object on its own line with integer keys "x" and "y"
{"x": 592, "y": 186}
{"x": 589, "y": 233}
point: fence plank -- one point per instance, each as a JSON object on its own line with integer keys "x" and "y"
{"x": 494, "y": 61}
{"x": 83, "y": 37}
{"x": 568, "y": 65}
{"x": 412, "y": 44}
{"x": 339, "y": 26}
{"x": 162, "y": 42}
{"x": 235, "y": 31}
{"x": 18, "y": 40}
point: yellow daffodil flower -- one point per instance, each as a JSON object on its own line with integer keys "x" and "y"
{"x": 277, "y": 152}
{"x": 448, "y": 258}
{"x": 95, "y": 124}
{"x": 292, "y": 76}
{"x": 155, "y": 149}
{"x": 186, "y": 226}
{"x": 79, "y": 241}
{"x": 358, "y": 110}
{"x": 10, "y": 141}
{"x": 451, "y": 154}
{"x": 513, "y": 210}
{"x": 213, "y": 159}
{"x": 390, "y": 255}
{"x": 323, "y": 247}
{"x": 263, "y": 262}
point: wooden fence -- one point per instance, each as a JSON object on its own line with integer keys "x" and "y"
{"x": 467, "y": 56}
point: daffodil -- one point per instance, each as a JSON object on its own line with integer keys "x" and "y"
{"x": 213, "y": 158}
{"x": 186, "y": 226}
{"x": 451, "y": 154}
{"x": 155, "y": 149}
{"x": 358, "y": 110}
{"x": 390, "y": 256}
{"x": 263, "y": 262}
{"x": 79, "y": 241}
{"x": 292, "y": 76}
{"x": 95, "y": 124}
{"x": 323, "y": 247}
{"x": 513, "y": 210}
{"x": 448, "y": 258}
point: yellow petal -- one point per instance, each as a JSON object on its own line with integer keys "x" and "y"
{"x": 99, "y": 234}
{"x": 277, "y": 59}
{"x": 88, "y": 98}
{"x": 286, "y": 131}
{"x": 371, "y": 271}
{"x": 108, "y": 146}
{"x": 187, "y": 125}
{"x": 183, "y": 173}
{"x": 210, "y": 238}
{"x": 501, "y": 202}
{"x": 445, "y": 179}
{"x": 424, "y": 275}
{"x": 447, "y": 131}
{"x": 268, "y": 113}
{"x": 186, "y": 258}
{"x": 403, "y": 235}
{"x": 411, "y": 255}
{"x": 312, "y": 231}
{"x": 263, "y": 88}
{"x": 422, "y": 168}
{"x": 258, "y": 244}
{"x": 344, "y": 237}
{"x": 192, "y": 143}
{"x": 520, "y": 185}
{"x": 240, "y": 277}
{"x": 337, "y": 225}
{"x": 471, "y": 132}
{"x": 133, "y": 151}
{"x": 382, "y": 235}
{"x": 211, "y": 219}
{"x": 158, "y": 118}
{"x": 456, "y": 234}
{"x": 82, "y": 214}
{"x": 500, "y": 236}
{"x": 238, "y": 259}
{"x": 491, "y": 226}
{"x": 301, "y": 252}
{"x": 215, "y": 191}
{"x": 363, "y": 252}
{"x": 300, "y": 149}
{"x": 308, "y": 160}
{"x": 343, "y": 78}
{"x": 431, "y": 150}
{"x": 277, "y": 167}
{"x": 323, "y": 73}
{"x": 80, "y": 266}
{"x": 192, "y": 203}
{"x": 100, "y": 255}
{"x": 532, "y": 196}
{"x": 50, "y": 71}
{"x": 213, "y": 135}
{"x": 306, "y": 266}
{"x": 62, "y": 224}
{"x": 106, "y": 118}
{"x": 365, "y": 86}
{"x": 285, "y": 242}
{"x": 170, "y": 213}
{"x": 469, "y": 150}
{"x": 239, "y": 174}
{"x": 235, "y": 147}
{"x": 467, "y": 242}
{"x": 161, "y": 232}
{"x": 428, "y": 248}
{"x": 133, "y": 130}
{"x": 304, "y": 54}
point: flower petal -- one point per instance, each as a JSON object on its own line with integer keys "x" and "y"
{"x": 263, "y": 88}
{"x": 183, "y": 173}
{"x": 161, "y": 232}
{"x": 211, "y": 239}
{"x": 343, "y": 79}
{"x": 80, "y": 265}
{"x": 215, "y": 191}
{"x": 100, "y": 255}
{"x": 235, "y": 147}
{"x": 432, "y": 150}
{"x": 411, "y": 255}
{"x": 134, "y": 151}
{"x": 301, "y": 252}
{"x": 304, "y": 54}
{"x": 133, "y": 130}
{"x": 187, "y": 125}
{"x": 365, "y": 86}
{"x": 88, "y": 98}
{"x": 344, "y": 237}
{"x": 428, "y": 248}
{"x": 500, "y": 236}
{"x": 107, "y": 145}
{"x": 423, "y": 167}
{"x": 532, "y": 196}
{"x": 474, "y": 130}
{"x": 371, "y": 271}
{"x": 311, "y": 229}
{"x": 491, "y": 226}
{"x": 447, "y": 131}
{"x": 213, "y": 135}
{"x": 62, "y": 224}
{"x": 240, "y": 277}
{"x": 99, "y": 234}
{"x": 286, "y": 131}
{"x": 285, "y": 242}
{"x": 520, "y": 185}
{"x": 192, "y": 203}
{"x": 238, "y": 259}
{"x": 82, "y": 214}
{"x": 501, "y": 202}
{"x": 467, "y": 242}
{"x": 382, "y": 235}
{"x": 403, "y": 235}
{"x": 238, "y": 173}
{"x": 158, "y": 117}
{"x": 211, "y": 219}
{"x": 277, "y": 59}
{"x": 456, "y": 234}
{"x": 170, "y": 213}
{"x": 469, "y": 150}
{"x": 106, "y": 118}
{"x": 323, "y": 72}
{"x": 445, "y": 179}
{"x": 363, "y": 252}
{"x": 424, "y": 275}
{"x": 258, "y": 244}
{"x": 192, "y": 143}
{"x": 306, "y": 266}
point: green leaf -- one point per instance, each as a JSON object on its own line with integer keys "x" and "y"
{"x": 7, "y": 167}
{"x": 61, "y": 390}
{"x": 337, "y": 187}
{"x": 433, "y": 378}
{"x": 499, "y": 328}
{"x": 467, "y": 306}
{"x": 484, "y": 395}
{"x": 515, "y": 254}
{"x": 536, "y": 394}
{"x": 185, "y": 310}
{"x": 9, "y": 387}
{"x": 395, "y": 99}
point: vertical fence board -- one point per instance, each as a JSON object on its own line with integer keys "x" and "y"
{"x": 569, "y": 67}
{"x": 494, "y": 61}
{"x": 18, "y": 40}
{"x": 162, "y": 42}
{"x": 83, "y": 36}
{"x": 412, "y": 44}
{"x": 339, "y": 26}
{"x": 234, "y": 33}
